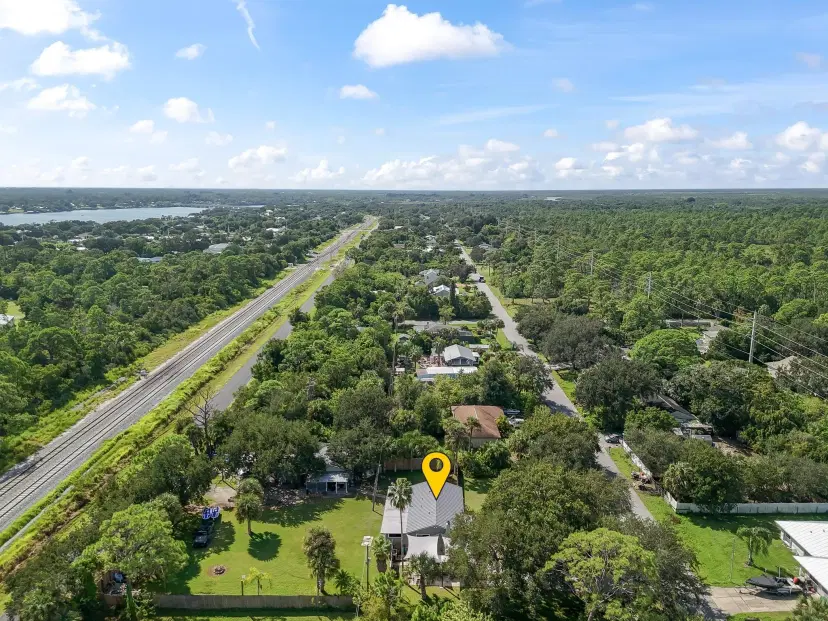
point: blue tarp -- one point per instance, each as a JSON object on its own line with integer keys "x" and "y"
{"x": 210, "y": 513}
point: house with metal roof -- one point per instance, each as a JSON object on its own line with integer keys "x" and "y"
{"x": 441, "y": 291}
{"x": 459, "y": 356}
{"x": 809, "y": 543}
{"x": 430, "y": 276}
{"x": 425, "y": 521}
{"x": 334, "y": 481}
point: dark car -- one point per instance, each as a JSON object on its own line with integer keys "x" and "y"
{"x": 202, "y": 537}
{"x": 613, "y": 438}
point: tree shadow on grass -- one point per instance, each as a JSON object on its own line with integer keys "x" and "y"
{"x": 223, "y": 537}
{"x": 481, "y": 486}
{"x": 264, "y": 546}
{"x": 309, "y": 510}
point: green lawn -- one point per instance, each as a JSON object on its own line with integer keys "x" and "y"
{"x": 762, "y": 616}
{"x": 566, "y": 380}
{"x": 504, "y": 342}
{"x": 276, "y": 547}
{"x": 14, "y": 310}
{"x": 714, "y": 539}
{"x": 475, "y": 492}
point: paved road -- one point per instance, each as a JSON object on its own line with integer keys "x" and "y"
{"x": 555, "y": 397}
{"x": 24, "y": 485}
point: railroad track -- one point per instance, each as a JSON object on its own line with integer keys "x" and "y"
{"x": 24, "y": 485}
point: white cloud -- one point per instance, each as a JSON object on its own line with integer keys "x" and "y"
{"x": 189, "y": 165}
{"x": 660, "y": 130}
{"x": 185, "y": 110}
{"x": 738, "y": 141}
{"x": 33, "y": 17}
{"x": 257, "y": 157}
{"x": 568, "y": 167}
{"x": 146, "y": 173}
{"x": 686, "y": 158}
{"x": 798, "y": 137}
{"x": 356, "y": 91}
{"x": 739, "y": 163}
{"x": 191, "y": 52}
{"x": 321, "y": 173}
{"x": 379, "y": 131}
{"x": 551, "y": 133}
{"x": 218, "y": 140}
{"x": 400, "y": 36}
{"x": 241, "y": 7}
{"x": 499, "y": 146}
{"x": 270, "y": 126}
{"x": 605, "y": 146}
{"x": 80, "y": 163}
{"x": 564, "y": 85}
{"x": 814, "y": 162}
{"x": 813, "y": 61}
{"x": 146, "y": 126}
{"x": 21, "y": 84}
{"x": 612, "y": 123}
{"x": 61, "y": 98}
{"x": 60, "y": 59}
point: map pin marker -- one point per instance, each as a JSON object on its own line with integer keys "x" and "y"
{"x": 436, "y": 468}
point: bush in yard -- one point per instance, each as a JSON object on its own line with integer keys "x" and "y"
{"x": 705, "y": 476}
{"x": 667, "y": 350}
{"x": 650, "y": 418}
{"x": 657, "y": 449}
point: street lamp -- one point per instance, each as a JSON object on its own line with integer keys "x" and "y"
{"x": 367, "y": 540}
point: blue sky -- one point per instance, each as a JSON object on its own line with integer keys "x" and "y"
{"x": 506, "y": 94}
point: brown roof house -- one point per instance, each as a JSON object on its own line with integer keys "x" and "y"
{"x": 486, "y": 415}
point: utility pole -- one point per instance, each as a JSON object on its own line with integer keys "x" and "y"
{"x": 752, "y": 337}
{"x": 649, "y": 284}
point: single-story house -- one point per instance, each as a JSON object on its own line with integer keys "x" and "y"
{"x": 432, "y": 373}
{"x": 423, "y": 521}
{"x": 809, "y": 543}
{"x": 430, "y": 276}
{"x": 6, "y": 320}
{"x": 486, "y": 415}
{"x": 441, "y": 291}
{"x": 149, "y": 259}
{"x": 334, "y": 481}
{"x": 215, "y": 248}
{"x": 459, "y": 356}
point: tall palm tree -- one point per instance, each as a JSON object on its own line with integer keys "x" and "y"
{"x": 400, "y": 494}
{"x": 471, "y": 425}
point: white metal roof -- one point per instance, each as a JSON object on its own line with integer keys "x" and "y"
{"x": 817, "y": 568}
{"x": 812, "y": 537}
{"x": 449, "y": 370}
{"x": 452, "y": 352}
{"x": 425, "y": 511}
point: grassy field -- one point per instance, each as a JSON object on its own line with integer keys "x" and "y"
{"x": 566, "y": 380}
{"x": 504, "y": 342}
{"x": 257, "y": 615}
{"x": 761, "y": 616}
{"x": 276, "y": 547}
{"x": 14, "y": 310}
{"x": 714, "y": 539}
{"x": 475, "y": 492}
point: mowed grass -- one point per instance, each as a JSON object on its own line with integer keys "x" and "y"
{"x": 276, "y": 547}
{"x": 566, "y": 380}
{"x": 761, "y": 616}
{"x": 475, "y": 492}
{"x": 15, "y": 311}
{"x": 502, "y": 340}
{"x": 714, "y": 539}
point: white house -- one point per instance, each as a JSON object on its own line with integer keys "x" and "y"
{"x": 430, "y": 276}
{"x": 6, "y": 320}
{"x": 809, "y": 543}
{"x": 442, "y": 291}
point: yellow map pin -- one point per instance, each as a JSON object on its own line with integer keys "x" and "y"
{"x": 436, "y": 468}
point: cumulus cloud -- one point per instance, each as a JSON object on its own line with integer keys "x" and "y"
{"x": 660, "y": 130}
{"x": 356, "y": 91}
{"x": 499, "y": 146}
{"x": 34, "y": 17}
{"x": 257, "y": 157}
{"x": 185, "y": 110}
{"x": 813, "y": 164}
{"x": 400, "y": 36}
{"x": 80, "y": 163}
{"x": 21, "y": 84}
{"x": 218, "y": 140}
{"x": 60, "y": 59}
{"x": 551, "y": 133}
{"x": 241, "y": 7}
{"x": 146, "y": 174}
{"x": 798, "y": 137}
{"x": 737, "y": 142}
{"x": 470, "y": 167}
{"x": 191, "y": 52}
{"x": 147, "y": 127}
{"x": 322, "y": 172}
{"x": 564, "y": 85}
{"x": 813, "y": 61}
{"x": 64, "y": 98}
{"x": 568, "y": 167}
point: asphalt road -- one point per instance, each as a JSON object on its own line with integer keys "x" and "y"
{"x": 555, "y": 397}
{"x": 24, "y": 485}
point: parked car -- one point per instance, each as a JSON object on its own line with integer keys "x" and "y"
{"x": 613, "y": 438}
{"x": 202, "y": 537}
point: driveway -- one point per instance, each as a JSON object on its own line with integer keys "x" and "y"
{"x": 555, "y": 397}
{"x": 731, "y": 601}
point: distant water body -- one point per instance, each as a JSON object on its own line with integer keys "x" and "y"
{"x": 96, "y": 215}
